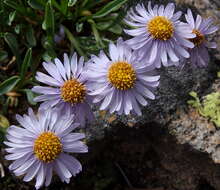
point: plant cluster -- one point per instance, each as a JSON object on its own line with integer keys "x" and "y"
{"x": 120, "y": 81}
{"x": 44, "y": 30}
{"x": 209, "y": 107}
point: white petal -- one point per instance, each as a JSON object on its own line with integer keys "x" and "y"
{"x": 67, "y": 65}
{"x": 74, "y": 64}
{"x": 60, "y": 68}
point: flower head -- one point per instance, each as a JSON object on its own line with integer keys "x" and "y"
{"x": 201, "y": 28}
{"x": 67, "y": 88}
{"x": 159, "y": 36}
{"x": 42, "y": 144}
{"x": 120, "y": 82}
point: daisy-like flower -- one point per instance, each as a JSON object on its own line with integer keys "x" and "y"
{"x": 67, "y": 88}
{"x": 41, "y": 146}
{"x": 159, "y": 36}
{"x": 200, "y": 27}
{"x": 120, "y": 82}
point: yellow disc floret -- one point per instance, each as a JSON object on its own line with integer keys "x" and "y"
{"x": 199, "y": 37}
{"x": 122, "y": 75}
{"x": 47, "y": 147}
{"x": 160, "y": 28}
{"x": 73, "y": 91}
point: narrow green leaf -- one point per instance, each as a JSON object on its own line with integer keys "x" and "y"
{"x": 11, "y": 41}
{"x": 37, "y": 4}
{"x": 31, "y": 37}
{"x": 103, "y": 25}
{"x": 26, "y": 63}
{"x": 71, "y": 3}
{"x": 48, "y": 23}
{"x": 55, "y": 4}
{"x": 3, "y": 55}
{"x": 9, "y": 84}
{"x": 110, "y": 7}
{"x": 11, "y": 17}
{"x": 96, "y": 33}
{"x": 13, "y": 44}
{"x": 64, "y": 6}
{"x": 30, "y": 96}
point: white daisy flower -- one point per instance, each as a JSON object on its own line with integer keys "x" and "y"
{"x": 159, "y": 37}
{"x": 120, "y": 82}
{"x": 41, "y": 146}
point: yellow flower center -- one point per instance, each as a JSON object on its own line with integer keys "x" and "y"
{"x": 160, "y": 28}
{"x": 47, "y": 147}
{"x": 198, "y": 39}
{"x": 73, "y": 91}
{"x": 122, "y": 75}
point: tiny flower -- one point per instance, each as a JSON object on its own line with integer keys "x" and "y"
{"x": 120, "y": 82}
{"x": 159, "y": 36}
{"x": 67, "y": 88}
{"x": 201, "y": 28}
{"x": 41, "y": 146}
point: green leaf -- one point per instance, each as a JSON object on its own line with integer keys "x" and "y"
{"x": 26, "y": 63}
{"x": 64, "y": 6}
{"x": 71, "y": 3}
{"x": 96, "y": 33}
{"x": 116, "y": 29}
{"x": 18, "y": 28}
{"x": 11, "y": 17}
{"x": 3, "y": 55}
{"x": 74, "y": 42}
{"x": 103, "y": 25}
{"x": 30, "y": 96}
{"x": 79, "y": 27}
{"x": 110, "y": 7}
{"x": 13, "y": 44}
{"x": 48, "y": 23}
{"x": 16, "y": 6}
{"x": 193, "y": 94}
{"x": 31, "y": 37}
{"x": 9, "y": 84}
{"x": 46, "y": 57}
{"x": 4, "y": 123}
{"x": 37, "y": 4}
{"x": 48, "y": 45}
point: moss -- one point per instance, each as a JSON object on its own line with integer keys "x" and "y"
{"x": 209, "y": 107}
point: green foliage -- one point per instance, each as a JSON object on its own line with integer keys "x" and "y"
{"x": 210, "y": 107}
{"x": 9, "y": 84}
{"x": 32, "y": 31}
